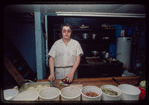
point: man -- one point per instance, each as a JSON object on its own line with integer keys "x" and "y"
{"x": 65, "y": 56}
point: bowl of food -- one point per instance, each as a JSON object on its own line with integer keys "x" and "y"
{"x": 49, "y": 94}
{"x": 91, "y": 93}
{"x": 129, "y": 92}
{"x": 29, "y": 95}
{"x": 110, "y": 92}
{"x": 71, "y": 93}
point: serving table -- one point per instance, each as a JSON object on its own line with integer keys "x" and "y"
{"x": 99, "y": 81}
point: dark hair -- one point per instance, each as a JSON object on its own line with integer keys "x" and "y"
{"x": 65, "y": 24}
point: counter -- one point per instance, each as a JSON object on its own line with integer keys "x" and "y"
{"x": 99, "y": 69}
{"x": 99, "y": 81}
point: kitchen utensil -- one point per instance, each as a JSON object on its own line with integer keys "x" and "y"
{"x": 71, "y": 93}
{"x": 83, "y": 26}
{"x": 49, "y": 94}
{"x": 129, "y": 92}
{"x": 93, "y": 36}
{"x": 52, "y": 82}
{"x": 105, "y": 25}
{"x": 27, "y": 80}
{"x": 30, "y": 95}
{"x": 105, "y": 38}
{"x": 10, "y": 93}
{"x": 107, "y": 97}
{"x": 108, "y": 55}
{"x": 94, "y": 53}
{"x": 91, "y": 89}
{"x": 105, "y": 54}
{"x": 116, "y": 81}
{"x": 85, "y": 35}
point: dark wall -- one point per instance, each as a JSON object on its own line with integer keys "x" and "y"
{"x": 20, "y": 29}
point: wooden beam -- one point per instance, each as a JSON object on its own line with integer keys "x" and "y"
{"x": 13, "y": 71}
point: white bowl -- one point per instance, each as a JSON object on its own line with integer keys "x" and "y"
{"x": 71, "y": 93}
{"x": 49, "y": 94}
{"x": 129, "y": 92}
{"x": 91, "y": 89}
{"x": 111, "y": 97}
{"x": 29, "y": 95}
{"x": 10, "y": 93}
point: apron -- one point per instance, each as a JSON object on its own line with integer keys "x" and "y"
{"x": 60, "y": 73}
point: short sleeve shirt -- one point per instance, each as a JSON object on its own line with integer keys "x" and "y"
{"x": 65, "y": 55}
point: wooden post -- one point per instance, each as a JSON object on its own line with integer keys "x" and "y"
{"x": 46, "y": 29}
{"x": 39, "y": 43}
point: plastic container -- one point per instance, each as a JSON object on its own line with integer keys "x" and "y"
{"x": 91, "y": 89}
{"x": 110, "y": 97}
{"x": 49, "y": 94}
{"x": 71, "y": 93}
{"x": 129, "y": 92}
{"x": 30, "y": 95}
{"x": 10, "y": 93}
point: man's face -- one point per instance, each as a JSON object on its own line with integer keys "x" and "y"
{"x": 66, "y": 32}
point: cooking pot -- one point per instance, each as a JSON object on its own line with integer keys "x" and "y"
{"x": 105, "y": 54}
{"x": 93, "y": 36}
{"x": 94, "y": 53}
{"x": 85, "y": 35}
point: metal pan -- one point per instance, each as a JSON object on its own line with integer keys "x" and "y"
{"x": 95, "y": 53}
{"x": 25, "y": 86}
{"x": 105, "y": 54}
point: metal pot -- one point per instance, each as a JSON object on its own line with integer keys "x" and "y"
{"x": 95, "y": 53}
{"x": 93, "y": 36}
{"x": 85, "y": 35}
{"x": 106, "y": 55}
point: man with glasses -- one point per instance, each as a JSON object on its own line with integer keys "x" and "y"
{"x": 65, "y": 55}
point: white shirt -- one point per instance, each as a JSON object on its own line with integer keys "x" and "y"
{"x": 65, "y": 55}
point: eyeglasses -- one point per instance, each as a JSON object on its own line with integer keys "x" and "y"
{"x": 64, "y": 31}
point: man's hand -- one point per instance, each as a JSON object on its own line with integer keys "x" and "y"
{"x": 51, "y": 77}
{"x": 69, "y": 77}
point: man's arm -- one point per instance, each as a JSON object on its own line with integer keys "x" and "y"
{"x": 51, "y": 64}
